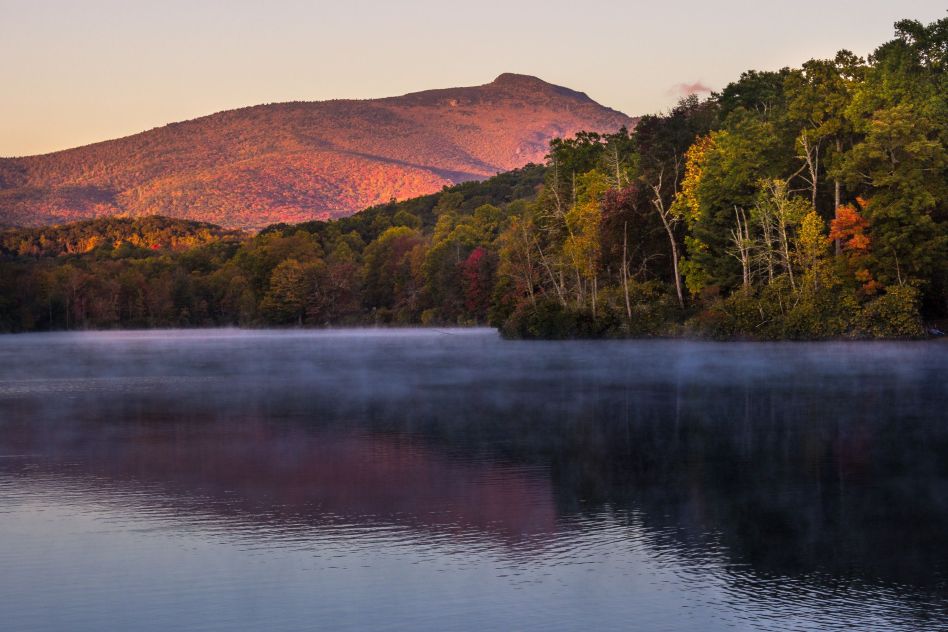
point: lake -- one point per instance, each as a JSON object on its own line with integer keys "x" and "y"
{"x": 450, "y": 480}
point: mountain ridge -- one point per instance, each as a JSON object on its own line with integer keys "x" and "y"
{"x": 302, "y": 160}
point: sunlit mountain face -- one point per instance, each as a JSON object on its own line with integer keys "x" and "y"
{"x": 293, "y": 162}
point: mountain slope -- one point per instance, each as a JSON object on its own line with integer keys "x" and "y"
{"x": 292, "y": 162}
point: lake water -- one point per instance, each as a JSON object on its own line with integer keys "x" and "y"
{"x": 449, "y": 480}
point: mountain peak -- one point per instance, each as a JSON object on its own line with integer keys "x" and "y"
{"x": 292, "y": 162}
{"x": 528, "y": 83}
{"x": 514, "y": 79}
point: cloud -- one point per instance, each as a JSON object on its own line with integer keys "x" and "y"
{"x": 685, "y": 89}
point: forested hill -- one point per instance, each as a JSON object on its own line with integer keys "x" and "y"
{"x": 423, "y": 212}
{"x": 804, "y": 203}
{"x": 113, "y": 233}
{"x": 293, "y": 162}
{"x": 164, "y": 272}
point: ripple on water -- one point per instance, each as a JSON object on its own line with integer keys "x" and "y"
{"x": 410, "y": 480}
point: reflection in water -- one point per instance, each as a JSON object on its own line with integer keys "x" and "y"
{"x": 449, "y": 480}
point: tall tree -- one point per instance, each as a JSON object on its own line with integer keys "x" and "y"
{"x": 817, "y": 97}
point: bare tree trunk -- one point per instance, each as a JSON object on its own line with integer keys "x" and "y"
{"x": 668, "y": 222}
{"x": 837, "y": 193}
{"x": 528, "y": 276}
{"x": 618, "y": 171}
{"x": 785, "y": 246}
{"x": 741, "y": 238}
{"x": 549, "y": 270}
{"x": 556, "y": 187}
{"x": 625, "y": 269}
{"x": 767, "y": 231}
{"x": 674, "y": 249}
{"x": 594, "y": 288}
{"x": 811, "y": 153}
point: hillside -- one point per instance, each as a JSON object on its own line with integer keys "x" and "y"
{"x": 294, "y": 162}
{"x": 152, "y": 233}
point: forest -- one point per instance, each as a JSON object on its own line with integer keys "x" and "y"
{"x": 804, "y": 203}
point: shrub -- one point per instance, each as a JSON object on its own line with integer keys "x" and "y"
{"x": 549, "y": 320}
{"x": 893, "y": 314}
{"x": 654, "y": 311}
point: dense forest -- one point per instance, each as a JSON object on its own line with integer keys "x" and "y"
{"x": 804, "y": 203}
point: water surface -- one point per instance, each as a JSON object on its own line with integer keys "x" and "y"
{"x": 449, "y": 480}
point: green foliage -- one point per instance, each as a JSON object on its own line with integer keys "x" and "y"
{"x": 654, "y": 311}
{"x": 389, "y": 270}
{"x": 755, "y": 91}
{"x": 500, "y": 191}
{"x": 285, "y": 300}
{"x": 404, "y": 218}
{"x": 892, "y": 315}
{"x": 732, "y": 194}
{"x": 830, "y": 310}
{"x": 900, "y": 164}
{"x": 549, "y": 320}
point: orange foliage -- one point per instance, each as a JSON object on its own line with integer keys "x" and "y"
{"x": 849, "y": 227}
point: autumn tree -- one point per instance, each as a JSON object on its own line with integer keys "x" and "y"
{"x": 901, "y": 163}
{"x": 392, "y": 272}
{"x": 818, "y": 95}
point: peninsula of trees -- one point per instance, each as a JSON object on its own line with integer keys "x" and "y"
{"x": 804, "y": 203}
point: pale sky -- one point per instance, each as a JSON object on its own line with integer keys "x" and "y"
{"x": 79, "y": 71}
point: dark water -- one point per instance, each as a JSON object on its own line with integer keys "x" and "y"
{"x": 453, "y": 481}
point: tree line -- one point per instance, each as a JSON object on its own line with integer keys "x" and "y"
{"x": 802, "y": 203}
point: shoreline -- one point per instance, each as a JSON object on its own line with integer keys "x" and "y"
{"x": 461, "y": 330}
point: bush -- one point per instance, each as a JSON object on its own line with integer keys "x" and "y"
{"x": 893, "y": 314}
{"x": 830, "y": 310}
{"x": 811, "y": 312}
{"x": 549, "y": 320}
{"x": 736, "y": 316}
{"x": 655, "y": 312}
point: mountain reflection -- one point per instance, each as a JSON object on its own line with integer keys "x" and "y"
{"x": 823, "y": 463}
{"x": 247, "y": 470}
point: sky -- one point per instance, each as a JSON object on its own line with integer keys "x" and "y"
{"x": 81, "y": 71}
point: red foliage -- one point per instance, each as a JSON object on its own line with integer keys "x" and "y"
{"x": 476, "y": 275}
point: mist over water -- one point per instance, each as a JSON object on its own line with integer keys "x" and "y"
{"x": 449, "y": 480}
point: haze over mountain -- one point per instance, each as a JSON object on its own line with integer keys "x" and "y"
{"x": 299, "y": 161}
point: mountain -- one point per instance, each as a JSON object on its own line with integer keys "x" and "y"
{"x": 292, "y": 162}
